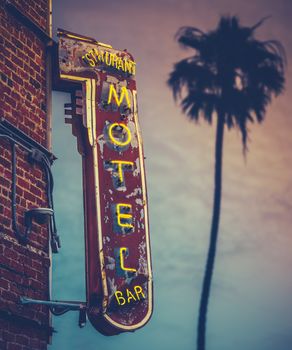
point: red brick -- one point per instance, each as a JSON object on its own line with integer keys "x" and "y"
{"x": 22, "y": 101}
{"x": 14, "y": 346}
{"x": 17, "y": 79}
{"x": 35, "y": 343}
{"x": 10, "y": 253}
{"x": 22, "y": 339}
{"x": 36, "y": 264}
{"x": 8, "y": 336}
{"x": 4, "y": 284}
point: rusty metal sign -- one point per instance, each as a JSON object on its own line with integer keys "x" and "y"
{"x": 105, "y": 121}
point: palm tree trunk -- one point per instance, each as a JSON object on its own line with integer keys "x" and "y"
{"x": 201, "y": 335}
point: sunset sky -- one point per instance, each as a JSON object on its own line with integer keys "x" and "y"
{"x": 251, "y": 299}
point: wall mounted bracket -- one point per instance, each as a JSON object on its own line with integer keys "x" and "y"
{"x": 59, "y": 308}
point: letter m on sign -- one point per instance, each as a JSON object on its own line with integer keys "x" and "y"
{"x": 118, "y": 100}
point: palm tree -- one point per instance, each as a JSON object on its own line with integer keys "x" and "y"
{"x": 231, "y": 76}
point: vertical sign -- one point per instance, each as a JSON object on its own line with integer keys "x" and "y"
{"x": 118, "y": 262}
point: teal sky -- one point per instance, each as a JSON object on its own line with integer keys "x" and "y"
{"x": 251, "y": 303}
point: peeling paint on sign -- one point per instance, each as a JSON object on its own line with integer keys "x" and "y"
{"x": 118, "y": 261}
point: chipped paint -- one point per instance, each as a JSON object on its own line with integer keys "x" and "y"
{"x": 137, "y": 171}
{"x": 101, "y": 143}
{"x": 139, "y": 201}
{"x": 111, "y": 264}
{"x": 117, "y": 237}
{"x": 141, "y": 214}
{"x": 137, "y": 191}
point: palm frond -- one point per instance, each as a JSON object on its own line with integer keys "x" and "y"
{"x": 198, "y": 103}
{"x": 190, "y": 73}
{"x": 231, "y": 72}
{"x": 260, "y": 22}
{"x": 190, "y": 37}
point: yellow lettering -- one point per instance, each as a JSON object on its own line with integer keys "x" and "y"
{"x": 122, "y": 250}
{"x": 124, "y": 216}
{"x": 99, "y": 55}
{"x": 89, "y": 60}
{"x": 138, "y": 290}
{"x": 120, "y": 164}
{"x": 119, "y": 296}
{"x": 113, "y": 59}
{"x": 126, "y": 133}
{"x": 91, "y": 53}
{"x": 120, "y": 64}
{"x": 130, "y": 66}
{"x": 93, "y": 56}
{"x": 134, "y": 68}
{"x": 130, "y": 296}
{"x": 113, "y": 93}
{"x": 107, "y": 58}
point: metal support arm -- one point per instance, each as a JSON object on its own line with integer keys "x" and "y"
{"x": 58, "y": 308}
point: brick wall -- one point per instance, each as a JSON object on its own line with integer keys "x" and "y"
{"x": 24, "y": 270}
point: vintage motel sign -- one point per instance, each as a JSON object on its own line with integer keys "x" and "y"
{"x": 105, "y": 121}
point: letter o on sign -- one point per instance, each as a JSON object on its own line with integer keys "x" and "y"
{"x": 119, "y": 134}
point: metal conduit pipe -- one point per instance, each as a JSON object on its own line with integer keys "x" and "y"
{"x": 35, "y": 155}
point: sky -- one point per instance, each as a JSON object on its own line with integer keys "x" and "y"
{"x": 250, "y": 305}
